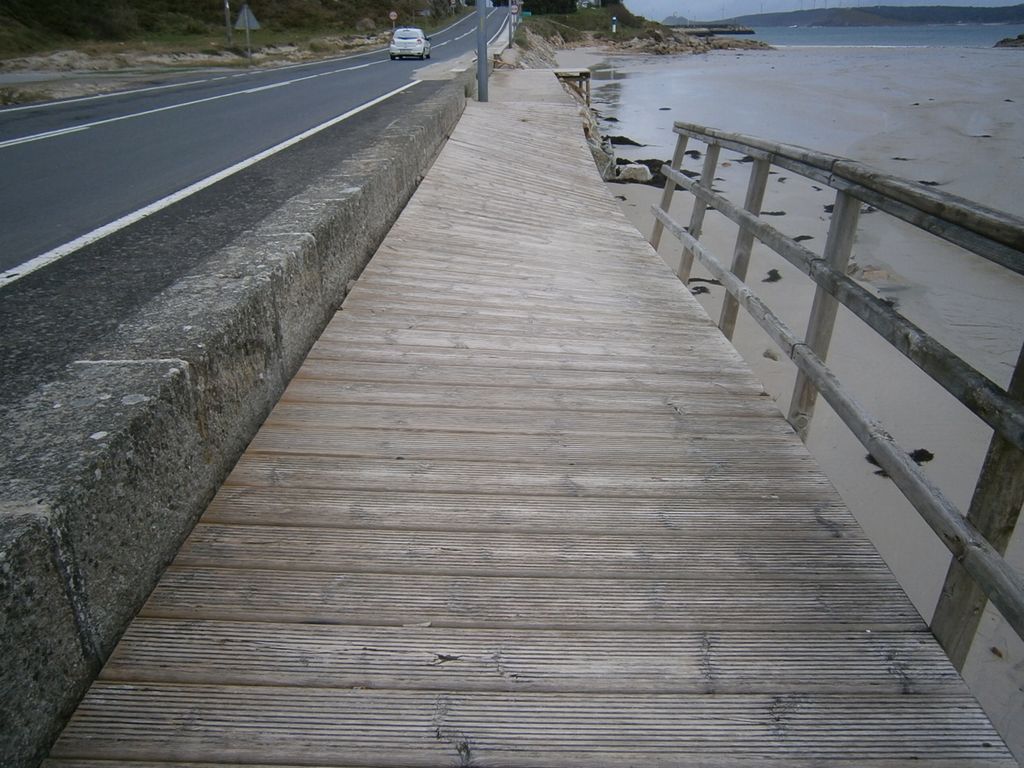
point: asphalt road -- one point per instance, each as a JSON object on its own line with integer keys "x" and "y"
{"x": 71, "y": 167}
{"x": 53, "y": 190}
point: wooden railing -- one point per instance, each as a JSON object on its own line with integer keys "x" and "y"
{"x": 978, "y": 571}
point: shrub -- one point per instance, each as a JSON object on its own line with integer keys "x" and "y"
{"x": 541, "y": 7}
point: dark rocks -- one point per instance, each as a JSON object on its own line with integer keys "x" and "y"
{"x": 1011, "y": 42}
{"x": 623, "y": 141}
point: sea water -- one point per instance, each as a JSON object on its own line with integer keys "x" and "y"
{"x": 917, "y": 36}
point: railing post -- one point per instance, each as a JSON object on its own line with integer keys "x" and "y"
{"x": 707, "y": 180}
{"x": 995, "y": 506}
{"x": 670, "y": 188}
{"x": 822, "y": 319}
{"x": 744, "y": 242}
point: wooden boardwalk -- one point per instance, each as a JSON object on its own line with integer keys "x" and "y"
{"x": 525, "y": 506}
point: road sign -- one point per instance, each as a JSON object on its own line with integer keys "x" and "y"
{"x": 246, "y": 19}
{"x": 514, "y": 8}
{"x": 393, "y": 15}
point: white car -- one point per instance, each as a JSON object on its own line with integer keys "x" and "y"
{"x": 409, "y": 41}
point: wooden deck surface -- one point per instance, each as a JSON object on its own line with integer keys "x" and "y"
{"x": 525, "y": 507}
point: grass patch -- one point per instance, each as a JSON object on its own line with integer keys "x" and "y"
{"x": 101, "y": 27}
{"x": 573, "y": 27}
{"x": 11, "y": 96}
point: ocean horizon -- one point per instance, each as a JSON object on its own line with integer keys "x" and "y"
{"x": 904, "y": 36}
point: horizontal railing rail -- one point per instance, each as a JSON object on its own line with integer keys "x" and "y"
{"x": 972, "y": 388}
{"x": 992, "y": 234}
{"x": 977, "y": 542}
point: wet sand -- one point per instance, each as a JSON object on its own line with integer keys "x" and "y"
{"x": 947, "y": 117}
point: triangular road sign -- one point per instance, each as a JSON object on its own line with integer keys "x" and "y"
{"x": 246, "y": 19}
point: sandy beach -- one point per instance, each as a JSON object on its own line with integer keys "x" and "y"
{"x": 945, "y": 116}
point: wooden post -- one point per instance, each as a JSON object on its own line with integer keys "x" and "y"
{"x": 1003, "y": 584}
{"x": 707, "y": 180}
{"x": 744, "y": 242}
{"x": 823, "y": 311}
{"x": 669, "y": 191}
{"x": 995, "y": 506}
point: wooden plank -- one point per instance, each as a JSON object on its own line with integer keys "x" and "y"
{"x": 756, "y": 605}
{"x": 653, "y": 349}
{"x": 456, "y": 257}
{"x": 426, "y": 658}
{"x": 766, "y": 515}
{"x": 570, "y": 449}
{"x": 995, "y": 507}
{"x": 386, "y": 309}
{"x": 377, "y": 353}
{"x": 678, "y": 155}
{"x": 838, "y": 247}
{"x": 324, "y": 726}
{"x": 437, "y": 476}
{"x": 632, "y": 556}
{"x": 607, "y": 312}
{"x": 574, "y": 292}
{"x": 744, "y": 241}
{"x": 727, "y": 380}
{"x": 403, "y": 317}
{"x": 670, "y": 422}
{"x": 691, "y": 396}
{"x": 706, "y": 180}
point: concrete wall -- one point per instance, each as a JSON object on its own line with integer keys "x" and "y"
{"x": 107, "y": 469}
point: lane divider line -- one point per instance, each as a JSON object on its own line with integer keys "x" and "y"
{"x": 61, "y": 251}
{"x": 169, "y": 107}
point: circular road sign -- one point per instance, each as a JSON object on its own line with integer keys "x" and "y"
{"x": 393, "y": 15}
{"x": 514, "y": 7}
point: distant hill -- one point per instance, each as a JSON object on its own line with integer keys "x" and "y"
{"x": 885, "y": 16}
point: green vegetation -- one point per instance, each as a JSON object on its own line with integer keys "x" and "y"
{"x": 31, "y": 26}
{"x": 571, "y": 26}
{"x": 549, "y": 6}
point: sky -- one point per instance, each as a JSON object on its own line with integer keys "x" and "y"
{"x": 719, "y": 9}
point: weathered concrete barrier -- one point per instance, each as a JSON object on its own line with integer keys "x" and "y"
{"x": 107, "y": 469}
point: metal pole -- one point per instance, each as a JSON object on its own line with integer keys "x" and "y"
{"x": 227, "y": 21}
{"x": 511, "y": 25}
{"x": 481, "y": 50}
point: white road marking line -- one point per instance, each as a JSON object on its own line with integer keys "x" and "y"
{"x": 501, "y": 29}
{"x": 85, "y": 126}
{"x": 60, "y": 252}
